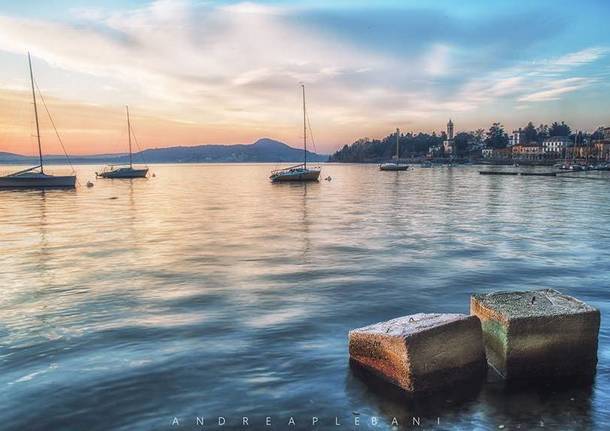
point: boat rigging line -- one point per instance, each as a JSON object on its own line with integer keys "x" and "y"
{"x": 135, "y": 140}
{"x": 44, "y": 103}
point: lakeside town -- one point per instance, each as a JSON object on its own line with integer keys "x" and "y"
{"x": 529, "y": 145}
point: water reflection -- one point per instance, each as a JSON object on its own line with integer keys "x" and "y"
{"x": 208, "y": 290}
{"x": 435, "y": 410}
{"x": 565, "y": 404}
{"x": 306, "y": 223}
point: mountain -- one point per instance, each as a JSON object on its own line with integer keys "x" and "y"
{"x": 263, "y": 150}
{"x": 12, "y": 158}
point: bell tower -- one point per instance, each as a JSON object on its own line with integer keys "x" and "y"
{"x": 450, "y": 130}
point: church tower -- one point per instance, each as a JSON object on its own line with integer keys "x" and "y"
{"x": 448, "y": 145}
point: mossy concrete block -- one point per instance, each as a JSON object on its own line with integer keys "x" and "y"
{"x": 421, "y": 352}
{"x": 538, "y": 334}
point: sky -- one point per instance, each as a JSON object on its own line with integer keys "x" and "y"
{"x": 224, "y": 72}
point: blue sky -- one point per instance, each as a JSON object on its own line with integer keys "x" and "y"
{"x": 226, "y": 72}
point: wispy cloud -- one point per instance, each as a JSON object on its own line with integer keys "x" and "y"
{"x": 555, "y": 89}
{"x": 580, "y": 58}
{"x": 236, "y": 66}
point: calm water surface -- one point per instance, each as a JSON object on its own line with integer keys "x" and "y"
{"x": 207, "y": 291}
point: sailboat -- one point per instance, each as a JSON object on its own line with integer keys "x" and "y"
{"x": 113, "y": 171}
{"x": 395, "y": 165}
{"x": 570, "y": 165}
{"x": 36, "y": 177}
{"x": 298, "y": 172}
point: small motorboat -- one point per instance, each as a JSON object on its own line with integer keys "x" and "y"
{"x": 571, "y": 167}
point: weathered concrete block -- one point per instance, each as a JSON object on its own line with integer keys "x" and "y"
{"x": 538, "y": 334}
{"x": 421, "y": 352}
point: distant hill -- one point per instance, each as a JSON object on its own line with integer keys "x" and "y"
{"x": 12, "y": 158}
{"x": 367, "y": 150}
{"x": 263, "y": 150}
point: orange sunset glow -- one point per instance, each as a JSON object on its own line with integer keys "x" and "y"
{"x": 229, "y": 72}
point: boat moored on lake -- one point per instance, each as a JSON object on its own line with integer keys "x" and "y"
{"x": 123, "y": 172}
{"x": 31, "y": 179}
{"x": 295, "y": 173}
{"x": 395, "y": 165}
{"x": 300, "y": 173}
{"x": 36, "y": 177}
{"x": 572, "y": 167}
{"x": 120, "y": 172}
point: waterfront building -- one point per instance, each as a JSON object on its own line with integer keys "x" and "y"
{"x": 516, "y": 138}
{"x": 555, "y": 146}
{"x": 528, "y": 151}
{"x": 449, "y": 144}
{"x": 434, "y": 151}
{"x": 582, "y": 151}
{"x": 601, "y": 149}
{"x": 496, "y": 153}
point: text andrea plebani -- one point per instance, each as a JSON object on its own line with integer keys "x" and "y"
{"x": 313, "y": 422}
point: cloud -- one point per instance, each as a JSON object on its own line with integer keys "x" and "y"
{"x": 555, "y": 89}
{"x": 547, "y": 76}
{"x": 237, "y": 66}
{"x": 580, "y": 58}
{"x": 436, "y": 62}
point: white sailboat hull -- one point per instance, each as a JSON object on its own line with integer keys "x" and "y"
{"x": 393, "y": 167}
{"x": 37, "y": 181}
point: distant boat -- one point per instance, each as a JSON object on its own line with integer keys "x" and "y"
{"x": 395, "y": 165}
{"x": 601, "y": 167}
{"x": 121, "y": 172}
{"x": 298, "y": 172}
{"x": 570, "y": 167}
{"x": 31, "y": 178}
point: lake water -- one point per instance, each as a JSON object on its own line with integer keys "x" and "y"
{"x": 207, "y": 291}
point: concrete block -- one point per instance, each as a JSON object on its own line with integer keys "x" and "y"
{"x": 421, "y": 352}
{"x": 538, "y": 334}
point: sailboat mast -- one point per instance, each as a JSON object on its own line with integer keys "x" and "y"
{"x": 574, "y": 148}
{"x": 304, "y": 129}
{"x": 36, "y": 114}
{"x": 397, "y": 144}
{"x": 129, "y": 133}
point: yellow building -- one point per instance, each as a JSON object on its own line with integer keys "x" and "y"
{"x": 601, "y": 149}
{"x": 529, "y": 151}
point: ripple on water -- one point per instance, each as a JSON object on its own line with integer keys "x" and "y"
{"x": 234, "y": 296}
